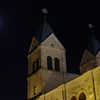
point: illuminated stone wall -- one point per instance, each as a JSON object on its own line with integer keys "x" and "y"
{"x": 56, "y": 94}
{"x": 32, "y": 81}
{"x": 96, "y": 76}
{"x": 44, "y": 79}
{"x": 86, "y": 86}
{"x": 33, "y": 57}
{"x": 82, "y": 84}
{"x": 53, "y": 48}
{"x": 51, "y": 80}
{"x": 48, "y": 84}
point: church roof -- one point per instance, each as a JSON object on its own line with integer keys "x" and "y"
{"x": 44, "y": 31}
{"x": 93, "y": 45}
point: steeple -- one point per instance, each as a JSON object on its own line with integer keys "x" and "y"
{"x": 93, "y": 46}
{"x": 90, "y": 57}
{"x": 46, "y": 62}
{"x": 44, "y": 31}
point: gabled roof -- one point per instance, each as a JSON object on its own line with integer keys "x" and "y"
{"x": 93, "y": 45}
{"x": 44, "y": 31}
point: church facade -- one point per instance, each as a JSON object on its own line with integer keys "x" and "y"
{"x": 48, "y": 78}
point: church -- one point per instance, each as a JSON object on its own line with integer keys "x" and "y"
{"x": 48, "y": 78}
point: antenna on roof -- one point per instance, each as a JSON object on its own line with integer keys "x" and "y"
{"x": 44, "y": 10}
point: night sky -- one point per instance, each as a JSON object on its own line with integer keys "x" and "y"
{"x": 20, "y": 21}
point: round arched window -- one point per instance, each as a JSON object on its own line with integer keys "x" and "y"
{"x": 82, "y": 96}
{"x": 73, "y": 98}
{"x": 49, "y": 63}
{"x": 56, "y": 60}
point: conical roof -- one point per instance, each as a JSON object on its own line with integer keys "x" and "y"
{"x": 44, "y": 31}
{"x": 93, "y": 46}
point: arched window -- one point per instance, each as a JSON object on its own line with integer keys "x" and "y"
{"x": 56, "y": 60}
{"x": 73, "y": 98}
{"x": 34, "y": 67}
{"x": 82, "y": 96}
{"x": 49, "y": 63}
{"x": 37, "y": 64}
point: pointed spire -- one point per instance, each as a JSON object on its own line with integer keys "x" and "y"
{"x": 93, "y": 45}
{"x": 44, "y": 31}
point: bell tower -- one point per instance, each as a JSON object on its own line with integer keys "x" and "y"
{"x": 46, "y": 62}
{"x": 91, "y": 56}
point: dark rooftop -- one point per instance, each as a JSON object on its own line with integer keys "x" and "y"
{"x": 93, "y": 45}
{"x": 44, "y": 31}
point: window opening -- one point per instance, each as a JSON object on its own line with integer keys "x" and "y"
{"x": 49, "y": 63}
{"x": 35, "y": 89}
{"x": 56, "y": 64}
{"x": 73, "y": 98}
{"x": 37, "y": 64}
{"x": 52, "y": 45}
{"x": 82, "y": 96}
{"x": 34, "y": 67}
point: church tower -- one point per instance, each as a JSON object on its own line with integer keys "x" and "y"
{"x": 46, "y": 62}
{"x": 91, "y": 56}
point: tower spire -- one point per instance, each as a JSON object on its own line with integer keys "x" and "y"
{"x": 44, "y": 10}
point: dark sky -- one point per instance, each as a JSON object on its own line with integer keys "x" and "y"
{"x": 19, "y": 22}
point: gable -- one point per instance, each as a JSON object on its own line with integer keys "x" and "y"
{"x": 52, "y": 41}
{"x": 98, "y": 59}
{"x": 98, "y": 55}
{"x": 87, "y": 56}
{"x": 34, "y": 43}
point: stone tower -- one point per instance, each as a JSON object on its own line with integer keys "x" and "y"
{"x": 46, "y": 62}
{"x": 91, "y": 56}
